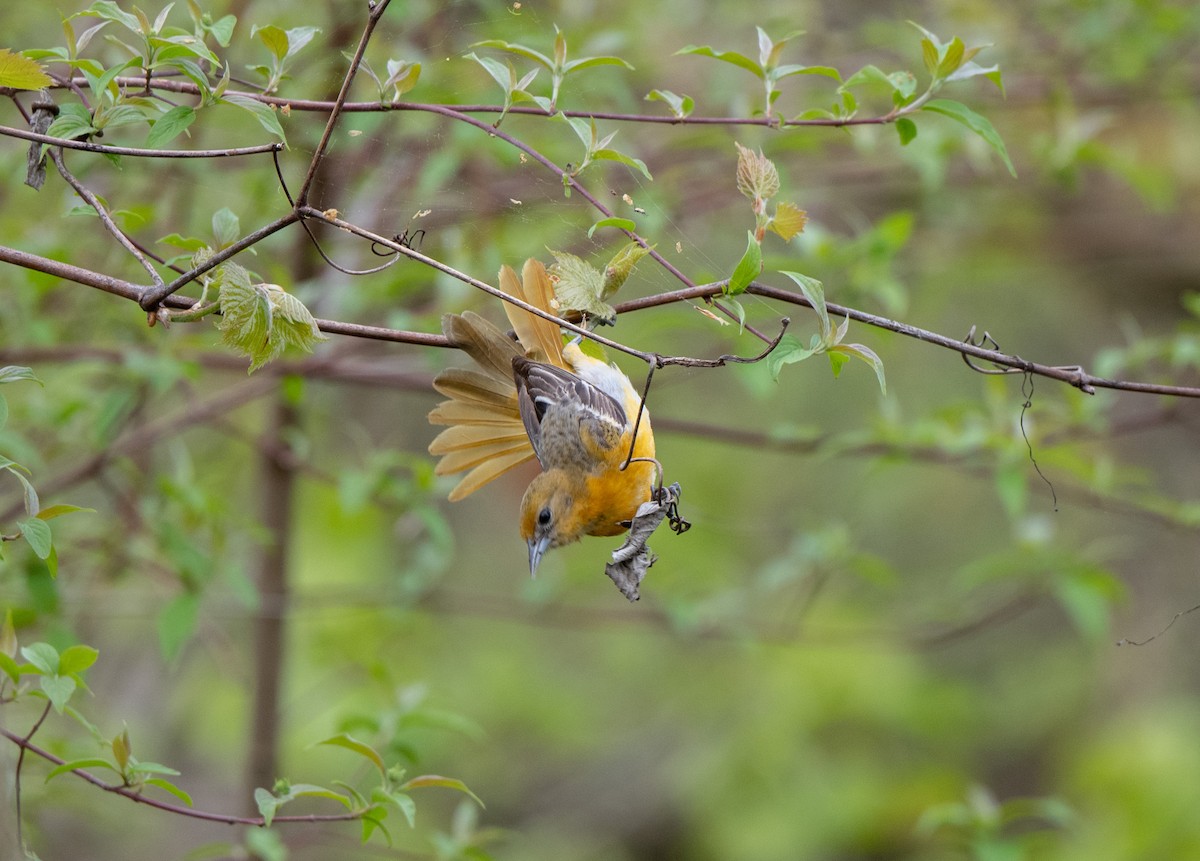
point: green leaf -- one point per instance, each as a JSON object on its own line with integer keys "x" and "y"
{"x": 8, "y": 636}
{"x": 37, "y": 533}
{"x": 43, "y": 656}
{"x": 110, "y": 11}
{"x": 975, "y": 122}
{"x": 814, "y": 292}
{"x": 971, "y": 70}
{"x": 732, "y": 57}
{"x": 170, "y": 125}
{"x": 32, "y": 505}
{"x": 59, "y": 510}
{"x": 827, "y": 71}
{"x": 265, "y": 115}
{"x": 619, "y": 223}
{"x": 73, "y": 122}
{"x": 438, "y": 780}
{"x": 21, "y": 73}
{"x": 9, "y": 667}
{"x": 590, "y": 62}
{"x": 275, "y": 38}
{"x": 520, "y": 50}
{"x": 267, "y": 805}
{"x": 364, "y": 750}
{"x": 402, "y": 76}
{"x": 681, "y": 106}
{"x": 579, "y": 286}
{"x": 58, "y": 690}
{"x": 747, "y": 269}
{"x": 952, "y": 58}
{"x": 621, "y": 266}
{"x": 226, "y": 227}
{"x": 92, "y": 762}
{"x": 866, "y": 354}
{"x": 906, "y": 129}
{"x": 629, "y": 161}
{"x": 407, "y": 806}
{"x": 167, "y": 786}
{"x": 152, "y": 768}
{"x": 788, "y": 351}
{"x": 262, "y": 320}
{"x": 76, "y": 659}
{"x": 16, "y": 373}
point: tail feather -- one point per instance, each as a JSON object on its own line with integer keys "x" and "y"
{"x": 485, "y": 436}
{"x": 541, "y": 339}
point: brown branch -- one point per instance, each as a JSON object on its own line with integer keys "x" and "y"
{"x": 105, "y": 219}
{"x": 377, "y": 9}
{"x": 134, "y": 794}
{"x": 137, "y": 152}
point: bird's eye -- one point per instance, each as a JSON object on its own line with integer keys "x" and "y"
{"x": 544, "y": 516}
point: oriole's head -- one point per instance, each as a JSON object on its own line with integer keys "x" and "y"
{"x": 549, "y": 515}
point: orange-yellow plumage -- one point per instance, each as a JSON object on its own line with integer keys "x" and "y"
{"x": 536, "y": 397}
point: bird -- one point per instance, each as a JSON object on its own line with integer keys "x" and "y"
{"x": 535, "y": 396}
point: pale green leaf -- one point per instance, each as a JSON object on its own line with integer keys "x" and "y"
{"x": 170, "y": 125}
{"x": 579, "y": 286}
{"x": 265, "y": 115}
{"x": 363, "y": 750}
{"x": 619, "y": 223}
{"x": 58, "y": 690}
{"x": 814, "y": 292}
{"x": 438, "y": 780}
{"x": 76, "y": 659}
{"x": 732, "y": 57}
{"x": 16, "y": 373}
{"x": 42, "y": 656}
{"x": 629, "y": 161}
{"x": 747, "y": 269}
{"x": 975, "y": 122}
{"x": 167, "y": 786}
{"x": 37, "y": 533}
{"x": 75, "y": 764}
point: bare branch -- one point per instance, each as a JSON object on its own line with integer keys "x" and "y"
{"x": 137, "y": 152}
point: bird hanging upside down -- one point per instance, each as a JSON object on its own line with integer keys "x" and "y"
{"x": 537, "y": 397}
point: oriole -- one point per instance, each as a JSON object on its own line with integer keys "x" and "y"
{"x": 537, "y": 397}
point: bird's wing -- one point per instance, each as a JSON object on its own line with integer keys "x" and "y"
{"x": 541, "y": 386}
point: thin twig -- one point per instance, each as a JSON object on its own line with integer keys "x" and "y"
{"x": 105, "y": 219}
{"x": 377, "y": 10}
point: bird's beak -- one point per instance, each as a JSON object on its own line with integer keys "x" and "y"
{"x": 537, "y": 549}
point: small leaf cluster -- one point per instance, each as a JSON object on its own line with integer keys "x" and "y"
{"x": 558, "y": 66}
{"x": 259, "y": 320}
{"x": 283, "y": 46}
{"x": 827, "y": 340}
{"x": 58, "y": 675}
{"x": 988, "y": 829}
{"x": 392, "y": 792}
{"x": 767, "y": 68}
{"x": 580, "y": 286}
{"x": 156, "y": 47}
{"x": 945, "y": 62}
{"x": 758, "y": 180}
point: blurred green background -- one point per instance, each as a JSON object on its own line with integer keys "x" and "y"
{"x": 885, "y": 637}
